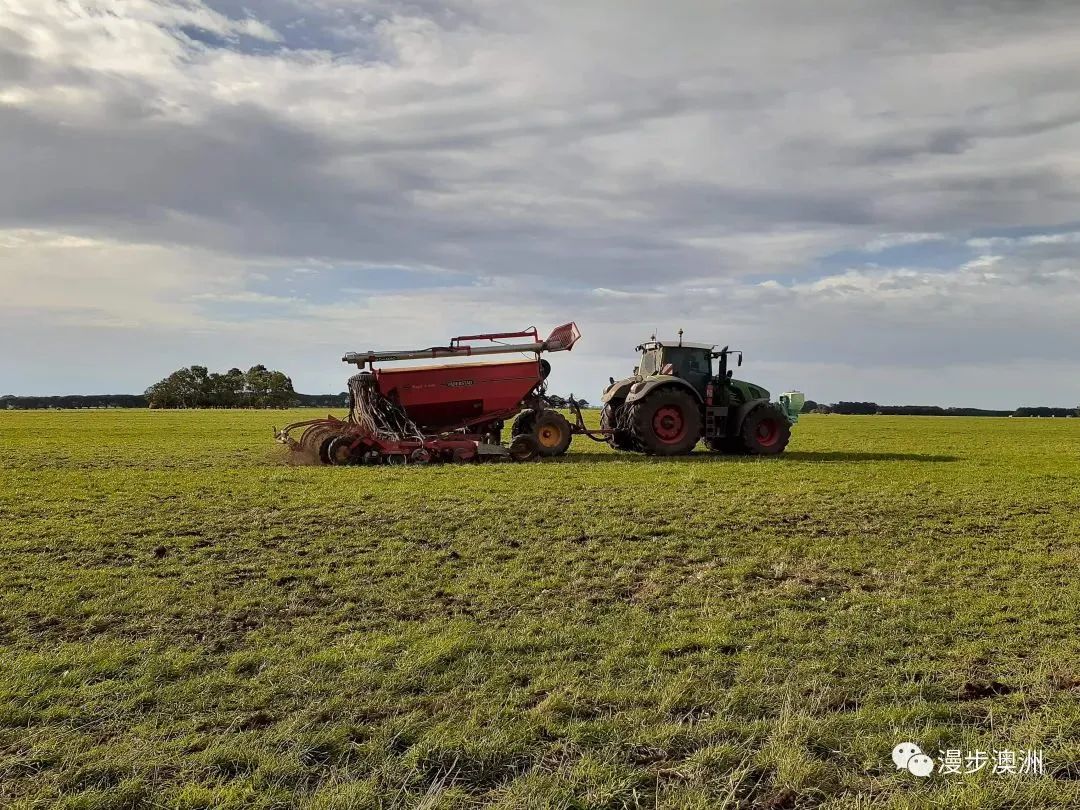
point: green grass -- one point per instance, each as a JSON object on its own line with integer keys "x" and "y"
{"x": 185, "y": 621}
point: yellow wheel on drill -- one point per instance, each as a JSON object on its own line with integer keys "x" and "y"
{"x": 552, "y": 433}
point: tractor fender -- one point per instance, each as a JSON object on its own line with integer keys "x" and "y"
{"x": 618, "y": 390}
{"x": 642, "y": 389}
{"x": 745, "y": 408}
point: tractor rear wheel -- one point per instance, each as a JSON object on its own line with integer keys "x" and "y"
{"x": 665, "y": 423}
{"x": 610, "y": 419}
{"x": 766, "y": 430}
{"x": 552, "y": 433}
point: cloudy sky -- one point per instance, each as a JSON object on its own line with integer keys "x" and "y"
{"x": 876, "y": 200}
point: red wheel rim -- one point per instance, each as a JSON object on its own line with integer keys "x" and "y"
{"x": 668, "y": 424}
{"x": 767, "y": 432}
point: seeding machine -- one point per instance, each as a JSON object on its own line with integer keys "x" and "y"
{"x": 457, "y": 411}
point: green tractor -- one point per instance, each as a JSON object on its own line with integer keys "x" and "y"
{"x": 673, "y": 401}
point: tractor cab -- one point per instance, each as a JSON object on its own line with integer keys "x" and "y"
{"x": 688, "y": 361}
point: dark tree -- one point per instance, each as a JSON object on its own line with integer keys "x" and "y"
{"x": 196, "y": 387}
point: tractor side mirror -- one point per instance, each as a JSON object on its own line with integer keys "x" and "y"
{"x": 740, "y": 358}
{"x": 635, "y": 369}
{"x": 729, "y": 374}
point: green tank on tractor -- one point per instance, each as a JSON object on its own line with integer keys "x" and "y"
{"x": 676, "y": 398}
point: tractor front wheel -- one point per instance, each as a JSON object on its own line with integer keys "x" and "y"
{"x": 666, "y": 423}
{"x": 766, "y": 430}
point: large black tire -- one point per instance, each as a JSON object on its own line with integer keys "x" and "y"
{"x": 524, "y": 448}
{"x": 766, "y": 430}
{"x": 665, "y": 423}
{"x": 324, "y": 446}
{"x": 339, "y": 451}
{"x": 609, "y": 420}
{"x": 552, "y": 433}
{"x": 523, "y": 423}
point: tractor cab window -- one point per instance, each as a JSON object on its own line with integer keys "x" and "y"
{"x": 648, "y": 364}
{"x": 690, "y": 364}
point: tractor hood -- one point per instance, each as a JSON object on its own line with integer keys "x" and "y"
{"x": 637, "y": 387}
{"x": 749, "y": 390}
{"x": 619, "y": 389}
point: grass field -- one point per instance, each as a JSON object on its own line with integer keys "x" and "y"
{"x": 186, "y": 621}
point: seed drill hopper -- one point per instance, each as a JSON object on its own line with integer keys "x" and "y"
{"x": 446, "y": 412}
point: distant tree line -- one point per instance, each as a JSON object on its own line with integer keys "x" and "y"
{"x": 323, "y": 400}
{"x": 195, "y": 387}
{"x": 1041, "y": 411}
{"x": 872, "y": 408}
{"x": 68, "y": 401}
{"x": 259, "y": 387}
{"x": 564, "y": 402}
{"x": 9, "y": 401}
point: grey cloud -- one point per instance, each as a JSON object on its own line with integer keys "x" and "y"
{"x": 266, "y": 182}
{"x": 703, "y": 204}
{"x": 16, "y": 64}
{"x": 950, "y": 141}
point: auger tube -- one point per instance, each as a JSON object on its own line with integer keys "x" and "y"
{"x": 562, "y": 338}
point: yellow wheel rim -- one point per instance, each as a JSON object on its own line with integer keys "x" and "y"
{"x": 549, "y": 436}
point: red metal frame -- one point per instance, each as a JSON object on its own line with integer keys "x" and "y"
{"x": 445, "y": 397}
